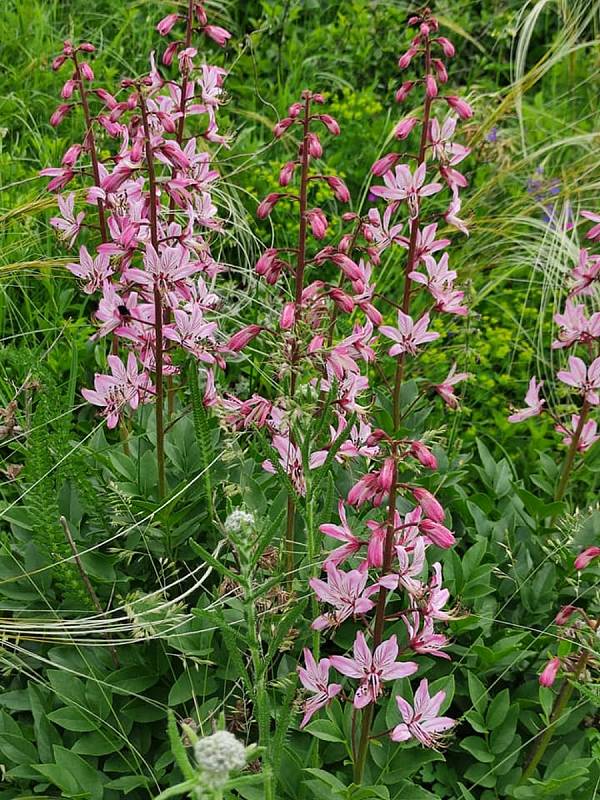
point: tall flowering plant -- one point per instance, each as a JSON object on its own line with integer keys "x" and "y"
{"x": 378, "y": 574}
{"x": 579, "y": 335}
{"x": 148, "y": 257}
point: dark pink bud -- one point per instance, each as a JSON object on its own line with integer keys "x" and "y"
{"x": 315, "y": 148}
{"x": 345, "y": 242}
{"x": 268, "y": 204}
{"x": 58, "y": 62}
{"x": 585, "y": 557}
{"x": 87, "y": 71}
{"x": 423, "y": 455}
{"x": 565, "y": 614}
{"x": 342, "y": 300}
{"x": 425, "y": 29}
{"x": 265, "y": 262}
{"x": 87, "y": 47}
{"x": 384, "y": 164}
{"x": 550, "y": 672}
{"x": 350, "y": 269}
{"x": 440, "y": 70}
{"x": 339, "y": 189}
{"x": 60, "y": 113}
{"x": 318, "y": 98}
{"x": 318, "y": 222}
{"x": 282, "y": 127}
{"x": 107, "y": 98}
{"x": 67, "y": 90}
{"x": 405, "y": 127}
{"x": 431, "y": 89}
{"x": 295, "y": 109}
{"x": 167, "y": 24}
{"x": 287, "y": 171}
{"x": 404, "y": 60}
{"x": 386, "y": 476}
{"x": 201, "y": 14}
{"x": 330, "y": 123}
{"x": 404, "y": 91}
{"x": 432, "y": 508}
{"x": 169, "y": 53}
{"x": 217, "y": 34}
{"x": 288, "y": 317}
{"x": 71, "y": 155}
{"x": 242, "y": 338}
{"x": 438, "y": 534}
{"x": 112, "y": 128}
{"x": 315, "y": 344}
{"x": 446, "y": 46}
{"x": 376, "y": 436}
{"x": 462, "y": 108}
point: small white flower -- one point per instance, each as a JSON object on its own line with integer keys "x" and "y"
{"x": 218, "y": 755}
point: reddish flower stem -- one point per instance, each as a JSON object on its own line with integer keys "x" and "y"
{"x": 179, "y": 137}
{"x": 572, "y": 452}
{"x": 298, "y": 288}
{"x": 361, "y": 756}
{"x": 158, "y": 307}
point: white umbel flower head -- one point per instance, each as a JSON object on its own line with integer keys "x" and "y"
{"x": 218, "y": 755}
{"x": 238, "y": 521}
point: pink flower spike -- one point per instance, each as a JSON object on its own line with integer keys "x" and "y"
{"x": 534, "y": 404}
{"x": 550, "y": 671}
{"x": 585, "y": 558}
{"x": 315, "y": 677}
{"x": 372, "y": 669}
{"x": 421, "y": 721}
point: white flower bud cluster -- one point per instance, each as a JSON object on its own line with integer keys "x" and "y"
{"x": 238, "y": 520}
{"x": 218, "y": 755}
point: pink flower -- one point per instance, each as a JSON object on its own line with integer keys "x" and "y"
{"x": 450, "y": 215}
{"x": 408, "y": 335}
{"x": 585, "y": 273}
{"x": 535, "y": 405}
{"x": 575, "y": 326}
{"x": 565, "y": 614}
{"x": 402, "y": 184}
{"x": 330, "y": 123}
{"x": 372, "y": 487}
{"x": 587, "y": 436}
{"x": 424, "y": 640}
{"x": 423, "y": 455}
{"x": 315, "y": 677}
{"x": 372, "y": 669}
{"x": 339, "y": 189}
{"x": 446, "y": 388}
{"x": 193, "y": 333}
{"x": 68, "y": 225}
{"x": 586, "y": 379}
{"x": 550, "y": 671}
{"x": 422, "y": 722}
{"x": 61, "y": 176}
{"x": 124, "y": 386}
{"x": 427, "y": 244}
{"x": 437, "y": 534}
{"x": 586, "y": 557}
{"x": 347, "y": 592}
{"x": 404, "y": 91}
{"x": 290, "y": 461}
{"x": 343, "y": 533}
{"x": 93, "y": 271}
{"x": 594, "y": 232}
{"x": 437, "y": 597}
